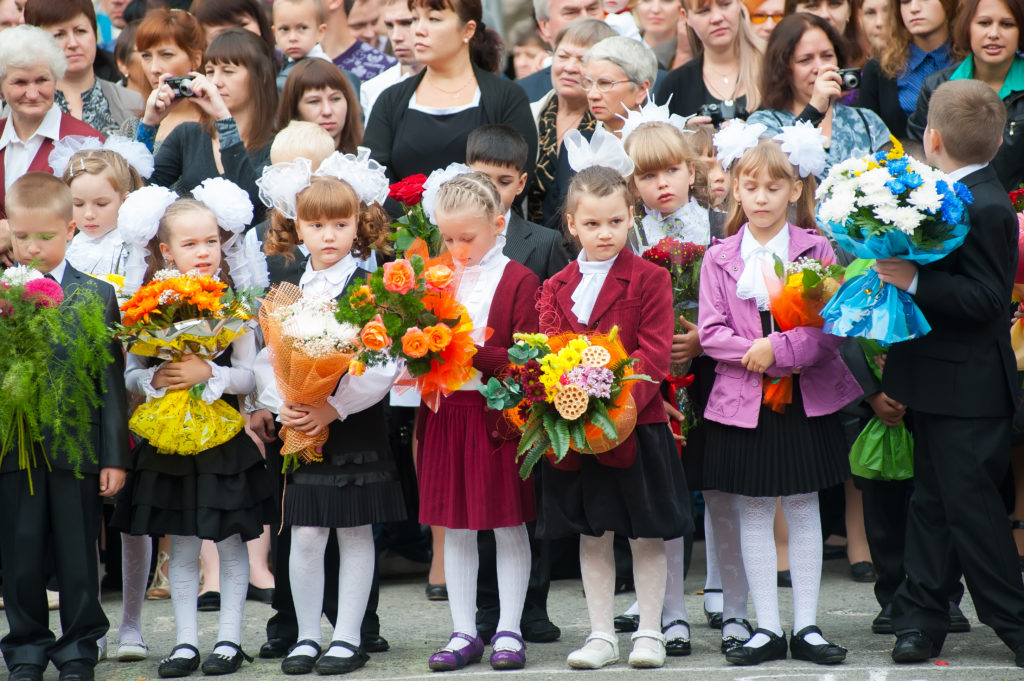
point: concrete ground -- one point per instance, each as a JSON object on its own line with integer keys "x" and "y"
{"x": 416, "y": 628}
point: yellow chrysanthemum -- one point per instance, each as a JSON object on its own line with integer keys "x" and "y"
{"x": 896, "y": 151}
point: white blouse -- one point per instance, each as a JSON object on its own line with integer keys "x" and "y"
{"x": 586, "y": 293}
{"x": 688, "y": 223}
{"x": 98, "y": 256}
{"x": 477, "y": 285}
{"x": 759, "y": 261}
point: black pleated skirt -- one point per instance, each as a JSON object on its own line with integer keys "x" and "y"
{"x": 703, "y": 370}
{"x": 787, "y": 453}
{"x": 649, "y": 499}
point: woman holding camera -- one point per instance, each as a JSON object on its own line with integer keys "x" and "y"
{"x": 808, "y": 51}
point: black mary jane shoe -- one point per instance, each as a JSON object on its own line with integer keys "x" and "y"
{"x": 301, "y": 664}
{"x": 732, "y": 642}
{"x": 714, "y": 618}
{"x": 822, "y": 653}
{"x": 332, "y": 664}
{"x": 679, "y": 646}
{"x": 626, "y": 623}
{"x": 218, "y": 665}
{"x": 746, "y": 655}
{"x": 177, "y": 667}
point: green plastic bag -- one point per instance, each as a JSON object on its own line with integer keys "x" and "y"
{"x": 883, "y": 452}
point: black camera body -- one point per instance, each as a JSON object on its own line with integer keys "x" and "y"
{"x": 181, "y": 86}
{"x": 718, "y": 112}
{"x": 850, "y": 78}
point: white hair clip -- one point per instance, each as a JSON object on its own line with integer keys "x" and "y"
{"x": 434, "y": 182}
{"x": 733, "y": 140}
{"x": 368, "y": 178}
{"x": 652, "y": 113}
{"x": 134, "y": 153}
{"x": 138, "y": 219}
{"x": 229, "y": 202}
{"x": 282, "y": 182}
{"x": 805, "y": 146}
{"x": 603, "y": 149}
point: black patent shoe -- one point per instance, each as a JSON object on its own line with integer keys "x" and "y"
{"x": 208, "y": 602}
{"x": 177, "y": 667}
{"x": 746, "y": 655}
{"x": 733, "y": 642}
{"x": 275, "y": 648}
{"x": 863, "y": 572}
{"x": 301, "y": 664}
{"x": 626, "y": 623}
{"x": 913, "y": 646}
{"x": 958, "y": 622}
{"x": 332, "y": 664}
{"x": 218, "y": 665}
{"x": 375, "y": 644}
{"x": 677, "y": 647}
{"x": 882, "y": 624}
{"x": 714, "y": 618}
{"x": 823, "y": 653}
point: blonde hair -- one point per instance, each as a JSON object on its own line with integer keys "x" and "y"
{"x": 318, "y": 8}
{"x": 969, "y": 117}
{"x": 702, "y": 140}
{"x": 751, "y": 54}
{"x": 656, "y": 146}
{"x": 329, "y": 198}
{"x": 769, "y": 158}
{"x": 599, "y": 181}
{"x": 470, "y": 191}
{"x": 37, "y": 193}
{"x": 302, "y": 139}
{"x": 122, "y": 177}
{"x": 174, "y": 212}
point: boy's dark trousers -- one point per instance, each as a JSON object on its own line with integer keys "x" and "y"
{"x": 63, "y": 516}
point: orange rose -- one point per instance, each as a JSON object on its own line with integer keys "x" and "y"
{"x": 356, "y": 368}
{"x": 414, "y": 343}
{"x": 438, "y": 337}
{"x": 439, "y": 277}
{"x": 361, "y": 296}
{"x": 374, "y": 335}
{"x": 399, "y": 276}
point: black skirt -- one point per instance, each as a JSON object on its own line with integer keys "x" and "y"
{"x": 785, "y": 454}
{"x": 649, "y": 499}
{"x": 703, "y": 370}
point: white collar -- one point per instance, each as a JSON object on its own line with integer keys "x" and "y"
{"x": 508, "y": 220}
{"x": 961, "y": 173}
{"x": 49, "y": 128}
{"x": 58, "y": 272}
{"x": 337, "y": 274}
{"x": 778, "y": 244}
{"x": 758, "y": 261}
{"x": 595, "y": 266}
{"x": 318, "y": 53}
{"x": 585, "y": 296}
{"x": 689, "y": 222}
{"x": 490, "y": 257}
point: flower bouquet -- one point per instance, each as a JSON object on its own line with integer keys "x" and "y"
{"x": 55, "y": 351}
{"x": 414, "y": 224}
{"x": 310, "y": 352}
{"x": 796, "y": 295}
{"x": 566, "y": 392}
{"x": 682, "y": 259}
{"x": 414, "y": 304}
{"x": 170, "y": 317}
{"x": 883, "y": 206}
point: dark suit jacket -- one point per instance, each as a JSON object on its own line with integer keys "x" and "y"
{"x": 879, "y": 93}
{"x": 965, "y": 366}
{"x": 536, "y": 84}
{"x": 539, "y": 248}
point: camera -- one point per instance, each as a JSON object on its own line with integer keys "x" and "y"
{"x": 718, "y": 112}
{"x": 181, "y": 86}
{"x": 850, "y": 78}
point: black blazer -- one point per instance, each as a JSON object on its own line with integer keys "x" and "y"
{"x": 538, "y": 248}
{"x": 536, "y": 85}
{"x": 879, "y": 93}
{"x": 685, "y": 86}
{"x": 965, "y": 366}
{"x": 108, "y": 423}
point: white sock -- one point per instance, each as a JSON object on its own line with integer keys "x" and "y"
{"x": 649, "y": 576}
{"x": 757, "y": 543}
{"x": 597, "y": 565}
{"x": 136, "y": 554}
{"x": 804, "y": 522}
{"x": 713, "y": 581}
{"x": 306, "y": 577}
{"x": 461, "y": 564}
{"x": 234, "y": 584}
{"x": 512, "y": 555}
{"x": 723, "y": 510}
{"x": 355, "y": 579}
{"x": 675, "y": 605}
{"x": 183, "y": 575}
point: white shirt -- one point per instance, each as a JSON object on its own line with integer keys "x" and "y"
{"x": 371, "y": 89}
{"x": 586, "y": 293}
{"x": 100, "y": 256}
{"x": 20, "y": 153}
{"x": 758, "y": 261}
{"x": 58, "y": 272}
{"x": 477, "y": 285}
{"x": 330, "y": 282}
{"x": 688, "y": 223}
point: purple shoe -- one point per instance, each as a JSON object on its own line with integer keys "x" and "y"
{"x": 508, "y": 658}
{"x": 446, "y": 659}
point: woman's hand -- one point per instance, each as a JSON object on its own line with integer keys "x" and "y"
{"x": 306, "y": 418}
{"x": 183, "y": 374}
{"x": 694, "y": 122}
{"x": 685, "y": 346}
{"x": 207, "y": 97}
{"x": 759, "y": 357}
{"x": 828, "y": 87}
{"x": 261, "y": 423}
{"x": 159, "y": 103}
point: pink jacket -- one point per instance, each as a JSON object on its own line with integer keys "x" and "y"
{"x": 728, "y": 327}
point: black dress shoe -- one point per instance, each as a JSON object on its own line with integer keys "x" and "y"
{"x": 626, "y": 623}
{"x": 437, "y": 592}
{"x": 913, "y": 646}
{"x": 301, "y": 664}
{"x": 539, "y": 631}
{"x": 208, "y": 602}
{"x": 746, "y": 655}
{"x": 77, "y": 671}
{"x": 863, "y": 572}
{"x": 784, "y": 580}
{"x": 486, "y": 631}
{"x": 176, "y": 667}
{"x": 375, "y": 644}
{"x": 732, "y": 642}
{"x": 714, "y": 618}
{"x": 254, "y": 593}
{"x": 822, "y": 653}
{"x": 882, "y": 624}
{"x": 832, "y": 552}
{"x": 332, "y": 664}
{"x": 26, "y": 672}
{"x": 958, "y": 622}
{"x": 275, "y": 648}
{"x": 218, "y": 665}
{"x": 677, "y": 647}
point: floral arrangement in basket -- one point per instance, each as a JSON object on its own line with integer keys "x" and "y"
{"x": 566, "y": 392}
{"x": 310, "y": 352}
{"x": 172, "y": 316}
{"x": 55, "y": 349}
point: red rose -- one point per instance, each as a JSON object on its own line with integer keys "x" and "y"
{"x": 408, "y": 191}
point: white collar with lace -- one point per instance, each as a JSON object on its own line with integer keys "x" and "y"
{"x": 758, "y": 261}
{"x": 688, "y": 223}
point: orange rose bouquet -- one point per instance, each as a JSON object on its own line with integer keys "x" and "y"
{"x": 407, "y": 310}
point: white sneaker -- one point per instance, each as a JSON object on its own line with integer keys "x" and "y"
{"x": 131, "y": 651}
{"x": 588, "y": 658}
{"x": 647, "y": 657}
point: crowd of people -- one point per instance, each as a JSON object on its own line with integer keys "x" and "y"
{"x": 248, "y": 140}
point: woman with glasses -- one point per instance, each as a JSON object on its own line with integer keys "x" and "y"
{"x": 618, "y": 74}
{"x": 765, "y": 15}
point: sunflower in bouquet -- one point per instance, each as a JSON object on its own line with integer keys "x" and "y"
{"x": 172, "y": 316}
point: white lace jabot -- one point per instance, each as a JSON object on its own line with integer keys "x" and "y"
{"x": 758, "y": 261}
{"x": 688, "y": 223}
{"x": 585, "y": 296}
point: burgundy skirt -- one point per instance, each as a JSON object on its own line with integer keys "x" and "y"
{"x": 465, "y": 481}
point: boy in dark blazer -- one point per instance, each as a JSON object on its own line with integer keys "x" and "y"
{"x": 960, "y": 383}
{"x": 64, "y": 513}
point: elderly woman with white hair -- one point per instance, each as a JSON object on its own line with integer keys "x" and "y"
{"x": 31, "y": 63}
{"x": 618, "y": 74}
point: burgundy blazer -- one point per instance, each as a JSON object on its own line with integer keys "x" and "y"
{"x": 69, "y": 125}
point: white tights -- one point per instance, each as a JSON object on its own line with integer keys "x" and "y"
{"x": 723, "y": 513}
{"x": 136, "y": 554}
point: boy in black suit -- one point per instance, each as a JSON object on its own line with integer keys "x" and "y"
{"x": 64, "y": 513}
{"x": 960, "y": 383}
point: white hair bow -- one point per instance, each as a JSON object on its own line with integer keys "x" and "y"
{"x": 805, "y": 146}
{"x": 652, "y": 113}
{"x": 433, "y": 185}
{"x": 134, "y": 153}
{"x": 138, "y": 219}
{"x": 233, "y": 210}
{"x": 368, "y": 178}
{"x": 603, "y": 149}
{"x": 733, "y": 140}
{"x": 282, "y": 182}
